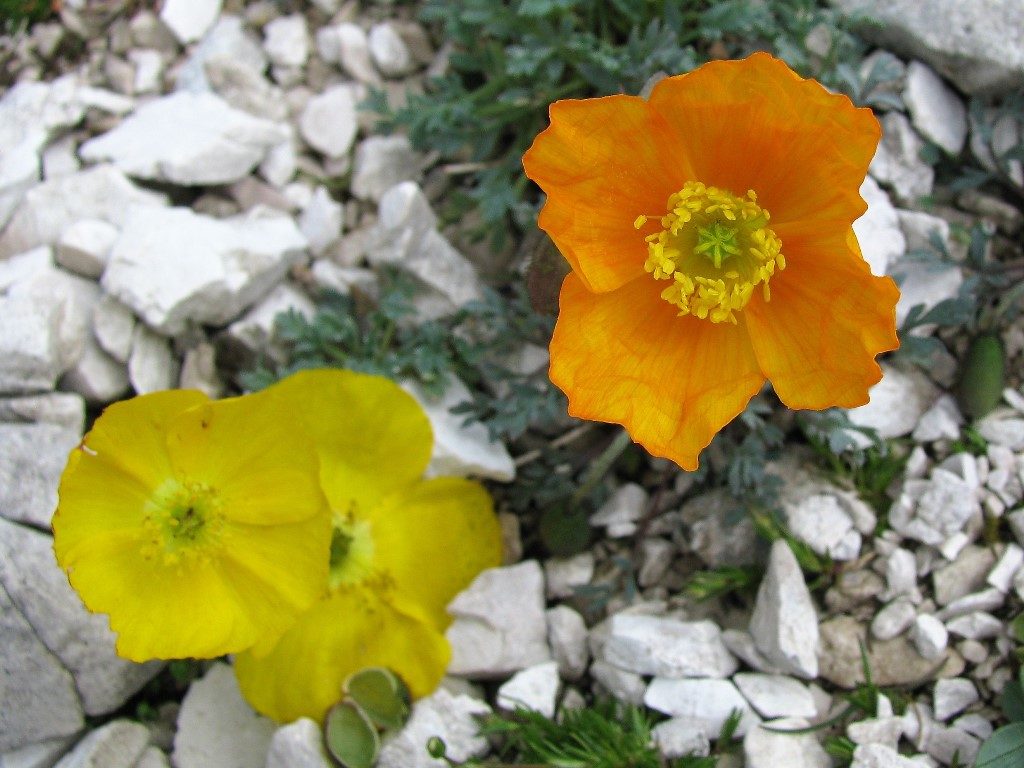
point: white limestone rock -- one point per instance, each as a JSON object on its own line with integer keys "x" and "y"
{"x": 885, "y": 730}
{"x": 976, "y": 625}
{"x": 881, "y": 756}
{"x": 286, "y": 41}
{"x": 460, "y": 450}
{"x": 499, "y": 625}
{"x": 30, "y": 114}
{"x": 227, "y": 39}
{"x": 113, "y": 325}
{"x": 405, "y": 237}
{"x": 620, "y": 513}
{"x": 49, "y": 209}
{"x": 118, "y": 744}
{"x": 380, "y": 163}
{"x": 328, "y": 122}
{"x": 654, "y": 645}
{"x": 189, "y": 20}
{"x": 1002, "y": 427}
{"x": 953, "y": 696}
{"x": 389, "y": 51}
{"x": 564, "y": 575}
{"x": 964, "y": 575}
{"x": 61, "y": 409}
{"x": 930, "y": 636}
{"x": 353, "y": 53}
{"x": 81, "y": 640}
{"x": 321, "y": 221}
{"x": 878, "y": 232}
{"x": 245, "y": 88}
{"x": 680, "y": 737}
{"x": 940, "y": 422}
{"x": 152, "y": 365}
{"x": 975, "y": 45}
{"x": 452, "y": 718}
{"x": 896, "y": 403}
{"x": 31, "y": 463}
{"x": 96, "y": 376}
{"x": 39, "y": 755}
{"x": 1004, "y": 134}
{"x": 149, "y": 70}
{"x": 39, "y": 701}
{"x": 620, "y": 684}
{"x": 935, "y": 509}
{"x": 33, "y": 351}
{"x": 567, "y": 638}
{"x": 1010, "y": 562}
{"x": 897, "y": 162}
{"x": 217, "y": 727}
{"x": 769, "y": 749}
{"x": 706, "y": 702}
{"x": 84, "y": 247}
{"x": 255, "y": 329}
{"x": 784, "y": 623}
{"x": 776, "y": 695}
{"x": 893, "y": 619}
{"x": 298, "y": 745}
{"x": 535, "y": 688}
{"x": 173, "y": 266}
{"x": 191, "y": 139}
{"x": 935, "y": 109}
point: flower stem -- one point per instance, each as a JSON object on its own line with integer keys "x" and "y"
{"x": 600, "y": 467}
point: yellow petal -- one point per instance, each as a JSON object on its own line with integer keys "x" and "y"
{"x": 159, "y": 612}
{"x": 130, "y": 435}
{"x": 277, "y": 572}
{"x": 672, "y": 382}
{"x": 250, "y": 450}
{"x": 372, "y": 437}
{"x": 302, "y": 675}
{"x": 433, "y": 538}
{"x": 96, "y": 496}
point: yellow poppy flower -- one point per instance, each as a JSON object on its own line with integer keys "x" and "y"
{"x": 402, "y": 548}
{"x": 708, "y": 229}
{"x": 198, "y": 526}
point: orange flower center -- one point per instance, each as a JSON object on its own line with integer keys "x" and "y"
{"x": 715, "y": 247}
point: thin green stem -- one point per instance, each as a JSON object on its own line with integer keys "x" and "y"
{"x": 600, "y": 467}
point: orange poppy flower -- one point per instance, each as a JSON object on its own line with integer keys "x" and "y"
{"x": 708, "y": 229}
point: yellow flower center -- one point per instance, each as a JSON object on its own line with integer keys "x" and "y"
{"x": 183, "y": 521}
{"x": 715, "y": 247}
{"x": 351, "y": 550}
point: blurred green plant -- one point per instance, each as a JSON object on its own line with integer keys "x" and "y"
{"x": 18, "y": 14}
{"x": 1005, "y": 747}
{"x": 608, "y": 734}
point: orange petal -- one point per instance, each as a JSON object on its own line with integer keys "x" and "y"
{"x": 755, "y": 124}
{"x": 626, "y": 357}
{"x": 816, "y": 340}
{"x": 602, "y": 163}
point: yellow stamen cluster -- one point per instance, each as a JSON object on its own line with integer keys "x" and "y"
{"x": 715, "y": 247}
{"x": 183, "y": 522}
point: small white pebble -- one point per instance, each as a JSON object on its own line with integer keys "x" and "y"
{"x": 1001, "y": 576}
{"x": 975, "y": 626}
{"x": 930, "y": 636}
{"x": 953, "y": 696}
{"x": 1014, "y": 399}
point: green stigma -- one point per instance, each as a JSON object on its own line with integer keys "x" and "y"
{"x": 717, "y": 242}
